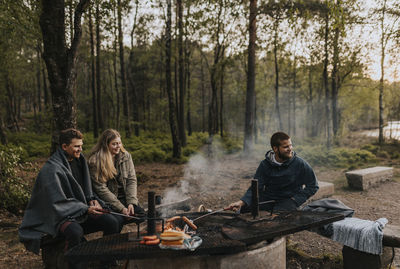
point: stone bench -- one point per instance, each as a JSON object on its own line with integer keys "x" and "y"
{"x": 363, "y": 179}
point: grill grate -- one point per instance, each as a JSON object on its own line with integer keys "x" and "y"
{"x": 222, "y": 233}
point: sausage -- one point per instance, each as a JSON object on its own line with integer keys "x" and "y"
{"x": 149, "y": 237}
{"x": 142, "y": 242}
{"x": 191, "y": 225}
{"x": 152, "y": 242}
{"x": 173, "y": 218}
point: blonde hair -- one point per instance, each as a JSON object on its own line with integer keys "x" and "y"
{"x": 101, "y": 158}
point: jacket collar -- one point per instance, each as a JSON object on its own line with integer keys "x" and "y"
{"x": 269, "y": 158}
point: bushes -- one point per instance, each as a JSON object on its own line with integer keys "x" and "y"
{"x": 14, "y": 192}
{"x": 336, "y": 157}
{"x": 158, "y": 147}
{"x": 33, "y": 145}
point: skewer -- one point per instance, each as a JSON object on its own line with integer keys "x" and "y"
{"x": 119, "y": 214}
{"x": 208, "y": 214}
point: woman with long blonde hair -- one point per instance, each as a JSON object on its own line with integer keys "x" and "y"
{"x": 113, "y": 174}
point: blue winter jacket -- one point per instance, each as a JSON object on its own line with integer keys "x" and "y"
{"x": 293, "y": 179}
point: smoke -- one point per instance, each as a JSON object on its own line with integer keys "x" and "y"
{"x": 210, "y": 178}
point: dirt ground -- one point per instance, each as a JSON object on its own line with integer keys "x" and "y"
{"x": 215, "y": 183}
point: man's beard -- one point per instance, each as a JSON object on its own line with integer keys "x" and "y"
{"x": 283, "y": 156}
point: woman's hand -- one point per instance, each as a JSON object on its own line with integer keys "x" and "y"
{"x": 125, "y": 211}
{"x": 131, "y": 210}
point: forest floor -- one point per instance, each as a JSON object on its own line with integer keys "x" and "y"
{"x": 215, "y": 183}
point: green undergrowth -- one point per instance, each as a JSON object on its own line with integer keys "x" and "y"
{"x": 337, "y": 157}
{"x": 14, "y": 190}
{"x": 33, "y": 145}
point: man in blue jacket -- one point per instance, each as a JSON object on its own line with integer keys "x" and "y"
{"x": 282, "y": 177}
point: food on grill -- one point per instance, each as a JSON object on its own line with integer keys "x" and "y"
{"x": 149, "y": 237}
{"x": 172, "y": 243}
{"x": 173, "y": 219}
{"x": 152, "y": 242}
{"x": 173, "y": 238}
{"x": 172, "y": 235}
{"x": 191, "y": 225}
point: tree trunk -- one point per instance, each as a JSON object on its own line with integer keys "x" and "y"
{"x": 71, "y": 19}
{"x": 251, "y": 75}
{"x": 181, "y": 72}
{"x": 312, "y": 129}
{"x": 125, "y": 96}
{"x": 133, "y": 90}
{"x": 293, "y": 118}
{"x": 3, "y": 136}
{"x": 11, "y": 104}
{"x": 188, "y": 77}
{"x": 203, "y": 98}
{"x": 381, "y": 138}
{"x": 277, "y": 107}
{"x": 45, "y": 91}
{"x": 130, "y": 77}
{"x": 221, "y": 106}
{"x": 325, "y": 81}
{"x": 38, "y": 78}
{"x": 176, "y": 146}
{"x": 335, "y": 90}
{"x": 98, "y": 69}
{"x": 212, "y": 112}
{"x": 93, "y": 76}
{"x": 188, "y": 73}
{"x": 117, "y": 119}
{"x": 61, "y": 61}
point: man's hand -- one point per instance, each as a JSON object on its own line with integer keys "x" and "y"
{"x": 235, "y": 206}
{"x": 94, "y": 208}
{"x": 95, "y": 203}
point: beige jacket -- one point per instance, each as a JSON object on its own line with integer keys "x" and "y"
{"x": 108, "y": 191}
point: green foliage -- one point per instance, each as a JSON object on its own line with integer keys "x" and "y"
{"x": 336, "y": 157}
{"x": 149, "y": 153}
{"x": 14, "y": 192}
{"x": 34, "y": 145}
{"x": 371, "y": 148}
{"x": 231, "y": 144}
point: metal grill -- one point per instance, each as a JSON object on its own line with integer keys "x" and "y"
{"x": 118, "y": 247}
{"x": 222, "y": 233}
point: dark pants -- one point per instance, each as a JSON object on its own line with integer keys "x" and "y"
{"x": 74, "y": 231}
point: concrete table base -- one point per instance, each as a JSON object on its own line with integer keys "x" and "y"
{"x": 265, "y": 255}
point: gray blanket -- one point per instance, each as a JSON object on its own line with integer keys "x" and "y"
{"x": 56, "y": 197}
{"x": 328, "y": 205}
{"x": 363, "y": 235}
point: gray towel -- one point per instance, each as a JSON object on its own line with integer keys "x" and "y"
{"x": 363, "y": 235}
